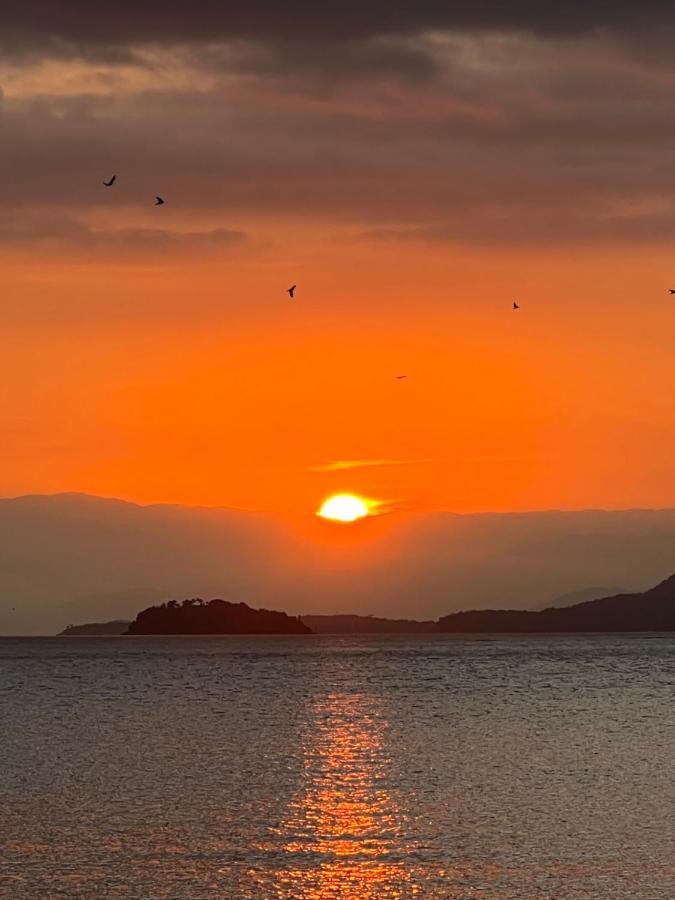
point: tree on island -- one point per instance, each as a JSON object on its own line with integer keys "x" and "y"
{"x": 197, "y": 616}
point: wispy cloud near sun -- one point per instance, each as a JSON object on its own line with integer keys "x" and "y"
{"x": 340, "y": 465}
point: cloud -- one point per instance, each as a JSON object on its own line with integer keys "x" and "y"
{"x": 518, "y": 225}
{"x": 61, "y": 231}
{"x": 486, "y": 143}
{"x": 78, "y": 26}
{"x": 341, "y": 465}
{"x": 404, "y": 58}
{"x": 486, "y": 136}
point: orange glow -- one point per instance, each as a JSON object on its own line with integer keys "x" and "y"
{"x": 144, "y": 382}
{"x": 154, "y": 355}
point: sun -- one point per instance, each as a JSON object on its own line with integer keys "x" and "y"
{"x": 343, "y": 508}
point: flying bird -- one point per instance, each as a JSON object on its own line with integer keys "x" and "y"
{"x": 291, "y": 290}
{"x": 399, "y": 377}
{"x": 111, "y": 182}
{"x": 158, "y": 201}
{"x": 515, "y": 306}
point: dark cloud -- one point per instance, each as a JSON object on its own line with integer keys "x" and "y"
{"x": 377, "y": 159}
{"x": 59, "y": 24}
{"x": 484, "y": 138}
{"x": 353, "y": 60}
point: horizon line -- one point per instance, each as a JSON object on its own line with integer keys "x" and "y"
{"x": 277, "y": 514}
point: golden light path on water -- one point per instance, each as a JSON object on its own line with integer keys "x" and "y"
{"x": 341, "y": 835}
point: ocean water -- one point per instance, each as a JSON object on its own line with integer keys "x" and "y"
{"x": 338, "y": 768}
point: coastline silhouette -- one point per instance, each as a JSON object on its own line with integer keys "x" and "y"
{"x": 651, "y": 610}
{"x": 213, "y": 617}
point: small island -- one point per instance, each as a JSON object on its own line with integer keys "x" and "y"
{"x": 213, "y": 617}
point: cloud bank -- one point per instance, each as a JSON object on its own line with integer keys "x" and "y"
{"x": 468, "y": 123}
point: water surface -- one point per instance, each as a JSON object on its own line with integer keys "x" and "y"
{"x": 337, "y": 768}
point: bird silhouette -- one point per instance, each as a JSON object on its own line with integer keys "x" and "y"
{"x": 111, "y": 182}
{"x": 291, "y": 290}
{"x": 158, "y": 201}
{"x": 515, "y": 306}
{"x": 399, "y": 377}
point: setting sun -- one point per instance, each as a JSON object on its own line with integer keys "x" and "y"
{"x": 343, "y": 508}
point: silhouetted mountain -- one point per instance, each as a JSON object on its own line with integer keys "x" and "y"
{"x": 213, "y": 617}
{"x": 118, "y": 626}
{"x": 653, "y": 610}
{"x": 573, "y": 598}
{"x": 75, "y": 558}
{"x": 351, "y": 624}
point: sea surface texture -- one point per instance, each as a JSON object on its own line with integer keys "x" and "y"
{"x": 319, "y": 767}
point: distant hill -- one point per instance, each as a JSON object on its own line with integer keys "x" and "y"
{"x": 652, "y": 610}
{"x": 213, "y": 617}
{"x": 352, "y": 624}
{"x": 118, "y": 626}
{"x": 573, "y": 598}
{"x": 73, "y": 558}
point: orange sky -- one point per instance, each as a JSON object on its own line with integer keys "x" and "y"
{"x": 202, "y": 383}
{"x": 413, "y": 185}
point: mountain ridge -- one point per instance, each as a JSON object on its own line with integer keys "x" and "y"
{"x": 77, "y": 557}
{"x": 652, "y": 610}
{"x": 633, "y": 612}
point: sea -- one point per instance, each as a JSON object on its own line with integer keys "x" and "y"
{"x": 338, "y": 767}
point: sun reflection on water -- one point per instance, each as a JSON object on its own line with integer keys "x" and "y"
{"x": 342, "y": 834}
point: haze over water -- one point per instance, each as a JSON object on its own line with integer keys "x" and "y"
{"x": 337, "y": 768}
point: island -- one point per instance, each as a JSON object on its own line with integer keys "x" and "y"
{"x": 213, "y": 617}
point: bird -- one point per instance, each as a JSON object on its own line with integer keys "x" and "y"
{"x": 291, "y": 290}
{"x": 671, "y": 291}
{"x": 515, "y": 305}
{"x": 111, "y": 182}
{"x": 399, "y": 377}
{"x": 158, "y": 201}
